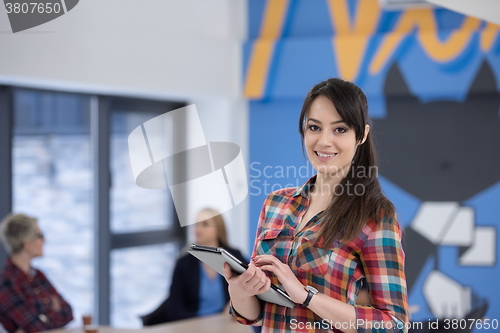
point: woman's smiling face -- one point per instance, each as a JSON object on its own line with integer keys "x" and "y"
{"x": 329, "y": 142}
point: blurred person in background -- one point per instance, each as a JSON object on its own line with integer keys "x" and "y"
{"x": 28, "y": 301}
{"x": 197, "y": 289}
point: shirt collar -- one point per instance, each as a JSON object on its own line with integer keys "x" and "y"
{"x": 12, "y": 266}
{"x": 304, "y": 189}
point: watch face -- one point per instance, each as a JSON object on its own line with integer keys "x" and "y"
{"x": 312, "y": 289}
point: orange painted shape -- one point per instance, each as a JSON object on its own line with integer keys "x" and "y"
{"x": 392, "y": 40}
{"x": 390, "y": 43}
{"x": 453, "y": 46}
{"x": 488, "y": 36}
{"x": 350, "y": 51}
{"x": 427, "y": 36}
{"x": 263, "y": 48}
{"x": 367, "y": 17}
{"x": 351, "y": 38}
{"x": 339, "y": 14}
{"x": 258, "y": 68}
{"x": 274, "y": 15}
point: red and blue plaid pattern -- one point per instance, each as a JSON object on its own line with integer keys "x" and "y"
{"x": 374, "y": 257}
{"x": 25, "y": 302}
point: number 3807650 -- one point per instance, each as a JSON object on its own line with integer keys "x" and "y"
{"x": 470, "y": 324}
{"x": 32, "y": 7}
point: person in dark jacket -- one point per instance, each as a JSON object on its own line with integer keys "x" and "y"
{"x": 197, "y": 289}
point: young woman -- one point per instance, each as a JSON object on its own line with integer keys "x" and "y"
{"x": 323, "y": 241}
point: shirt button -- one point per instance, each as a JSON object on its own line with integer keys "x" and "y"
{"x": 36, "y": 290}
{"x": 283, "y": 318}
{"x": 47, "y": 301}
{"x": 292, "y": 238}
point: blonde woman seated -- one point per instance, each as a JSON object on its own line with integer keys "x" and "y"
{"x": 197, "y": 289}
{"x": 28, "y": 301}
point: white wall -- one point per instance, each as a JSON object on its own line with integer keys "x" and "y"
{"x": 222, "y": 119}
{"x": 188, "y": 50}
{"x": 164, "y": 47}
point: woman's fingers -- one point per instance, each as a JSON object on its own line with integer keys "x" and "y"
{"x": 269, "y": 268}
{"x": 249, "y": 283}
{"x": 267, "y": 259}
{"x": 265, "y": 256}
{"x": 228, "y": 274}
{"x": 272, "y": 264}
{"x": 283, "y": 272}
{"x": 259, "y": 281}
{"x": 266, "y": 287}
{"x": 269, "y": 263}
{"x": 249, "y": 273}
{"x": 245, "y": 276}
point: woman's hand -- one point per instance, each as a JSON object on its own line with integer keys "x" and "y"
{"x": 293, "y": 287}
{"x": 243, "y": 288}
{"x": 248, "y": 284}
{"x": 56, "y": 305}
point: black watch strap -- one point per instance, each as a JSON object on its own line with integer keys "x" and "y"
{"x": 310, "y": 294}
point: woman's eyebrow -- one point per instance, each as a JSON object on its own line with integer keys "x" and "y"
{"x": 319, "y": 122}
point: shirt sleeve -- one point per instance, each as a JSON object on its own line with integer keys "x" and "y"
{"x": 15, "y": 307}
{"x": 65, "y": 314}
{"x": 383, "y": 261}
{"x": 243, "y": 320}
{"x": 232, "y": 311}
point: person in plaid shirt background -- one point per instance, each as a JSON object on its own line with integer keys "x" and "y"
{"x": 28, "y": 301}
{"x": 323, "y": 241}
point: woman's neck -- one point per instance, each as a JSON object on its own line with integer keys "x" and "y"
{"x": 22, "y": 261}
{"x": 326, "y": 185}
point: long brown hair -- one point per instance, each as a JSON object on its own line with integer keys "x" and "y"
{"x": 347, "y": 213}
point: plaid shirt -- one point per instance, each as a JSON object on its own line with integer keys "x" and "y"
{"x": 25, "y": 301}
{"x": 374, "y": 257}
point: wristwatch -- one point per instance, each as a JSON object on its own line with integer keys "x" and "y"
{"x": 311, "y": 291}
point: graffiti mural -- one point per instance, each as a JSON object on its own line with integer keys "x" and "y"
{"x": 441, "y": 166}
{"x": 432, "y": 78}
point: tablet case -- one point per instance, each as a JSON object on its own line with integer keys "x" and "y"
{"x": 215, "y": 257}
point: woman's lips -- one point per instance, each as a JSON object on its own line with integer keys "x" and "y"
{"x": 324, "y": 157}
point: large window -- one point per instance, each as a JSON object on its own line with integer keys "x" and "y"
{"x": 132, "y": 207}
{"x": 52, "y": 180}
{"x": 110, "y": 245}
{"x": 140, "y": 276}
